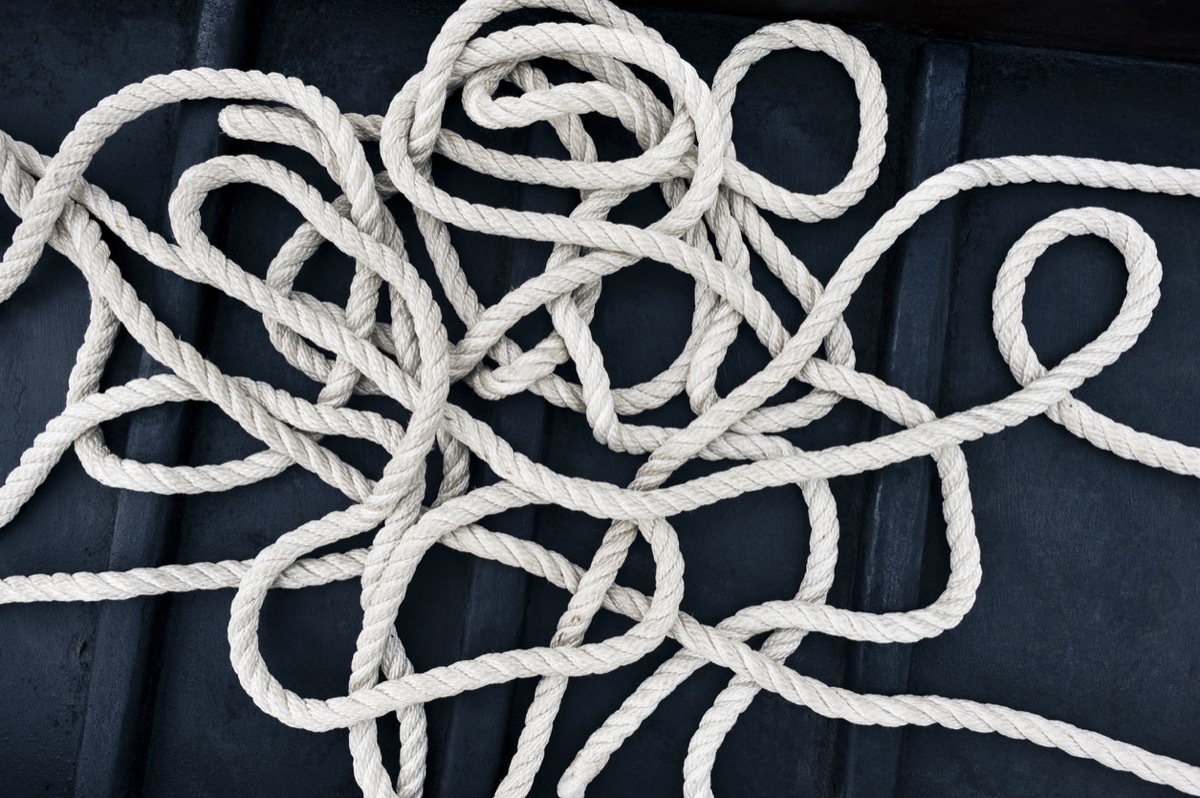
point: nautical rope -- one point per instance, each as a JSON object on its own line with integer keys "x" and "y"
{"x": 713, "y": 224}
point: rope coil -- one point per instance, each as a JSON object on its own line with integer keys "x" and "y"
{"x": 713, "y": 223}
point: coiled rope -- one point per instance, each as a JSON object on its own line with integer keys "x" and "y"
{"x": 713, "y": 222}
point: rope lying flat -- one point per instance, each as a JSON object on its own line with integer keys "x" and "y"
{"x": 714, "y": 222}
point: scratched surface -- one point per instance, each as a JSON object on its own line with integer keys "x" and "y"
{"x": 1088, "y": 608}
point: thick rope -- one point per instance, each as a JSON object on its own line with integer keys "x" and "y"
{"x": 713, "y": 224}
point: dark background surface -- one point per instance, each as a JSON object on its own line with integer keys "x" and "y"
{"x": 1088, "y": 608}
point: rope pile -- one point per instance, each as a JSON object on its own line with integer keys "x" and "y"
{"x": 715, "y": 220}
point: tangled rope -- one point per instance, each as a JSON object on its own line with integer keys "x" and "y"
{"x": 713, "y": 223}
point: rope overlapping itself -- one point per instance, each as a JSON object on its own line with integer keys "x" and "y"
{"x": 714, "y": 222}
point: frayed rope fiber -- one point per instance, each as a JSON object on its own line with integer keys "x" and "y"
{"x": 715, "y": 220}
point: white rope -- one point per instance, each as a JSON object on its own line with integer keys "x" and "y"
{"x": 713, "y": 223}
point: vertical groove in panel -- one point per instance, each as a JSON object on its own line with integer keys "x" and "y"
{"x": 894, "y": 536}
{"x": 109, "y": 757}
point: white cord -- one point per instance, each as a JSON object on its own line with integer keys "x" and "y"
{"x": 713, "y": 223}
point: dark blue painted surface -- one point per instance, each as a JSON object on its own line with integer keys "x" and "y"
{"x": 1087, "y": 611}
{"x": 72, "y": 674}
{"x": 890, "y": 564}
{"x": 1088, "y": 607}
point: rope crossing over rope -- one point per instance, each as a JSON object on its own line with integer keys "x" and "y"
{"x": 713, "y": 223}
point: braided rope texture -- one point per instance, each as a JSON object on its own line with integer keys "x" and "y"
{"x": 713, "y": 224}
